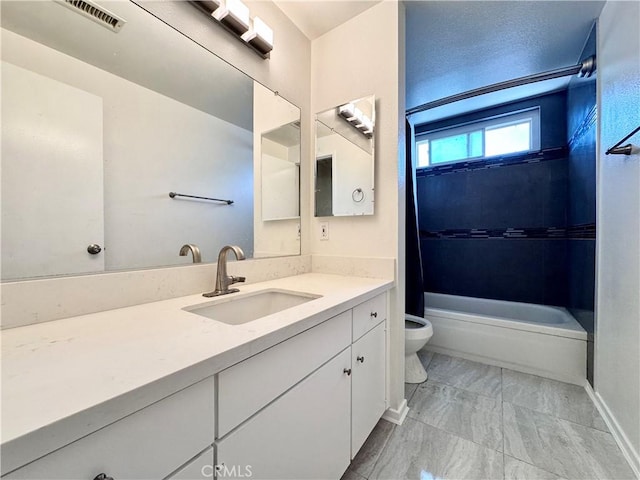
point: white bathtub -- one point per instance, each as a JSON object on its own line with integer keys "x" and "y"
{"x": 536, "y": 339}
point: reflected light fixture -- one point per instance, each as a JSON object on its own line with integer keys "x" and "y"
{"x": 236, "y": 18}
{"x": 356, "y": 118}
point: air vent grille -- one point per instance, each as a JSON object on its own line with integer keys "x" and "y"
{"x": 96, "y": 13}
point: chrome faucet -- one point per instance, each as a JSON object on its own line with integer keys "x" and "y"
{"x": 222, "y": 279}
{"x": 195, "y": 252}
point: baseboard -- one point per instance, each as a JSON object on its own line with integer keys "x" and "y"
{"x": 632, "y": 457}
{"x": 397, "y": 416}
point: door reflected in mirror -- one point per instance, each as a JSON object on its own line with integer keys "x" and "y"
{"x": 96, "y": 133}
{"x": 344, "y": 160}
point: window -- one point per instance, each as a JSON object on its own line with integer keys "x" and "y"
{"x": 506, "y": 134}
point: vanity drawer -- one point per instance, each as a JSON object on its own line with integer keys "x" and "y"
{"x": 148, "y": 444}
{"x": 245, "y": 388}
{"x": 369, "y": 314}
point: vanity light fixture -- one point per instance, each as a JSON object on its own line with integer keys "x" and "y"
{"x": 356, "y": 118}
{"x": 259, "y": 36}
{"x": 236, "y": 18}
{"x": 234, "y": 15}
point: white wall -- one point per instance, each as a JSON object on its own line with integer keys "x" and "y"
{"x": 142, "y": 149}
{"x": 617, "y": 355}
{"x": 358, "y": 58}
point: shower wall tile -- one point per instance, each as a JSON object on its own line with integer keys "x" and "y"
{"x": 581, "y": 203}
{"x": 523, "y": 195}
{"x": 582, "y": 177}
{"x": 519, "y": 270}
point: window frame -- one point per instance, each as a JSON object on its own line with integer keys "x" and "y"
{"x": 496, "y": 121}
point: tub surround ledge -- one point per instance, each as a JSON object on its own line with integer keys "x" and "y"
{"x": 67, "y": 378}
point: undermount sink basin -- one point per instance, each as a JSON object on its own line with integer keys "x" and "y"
{"x": 236, "y": 310}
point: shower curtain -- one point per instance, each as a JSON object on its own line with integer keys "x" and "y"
{"x": 414, "y": 284}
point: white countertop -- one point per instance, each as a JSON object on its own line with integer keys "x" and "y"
{"x": 64, "y": 379}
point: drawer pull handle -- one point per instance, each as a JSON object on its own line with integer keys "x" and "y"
{"x": 360, "y": 359}
{"x": 103, "y": 476}
{"x": 347, "y": 371}
{"x": 374, "y": 314}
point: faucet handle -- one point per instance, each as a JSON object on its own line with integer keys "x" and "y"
{"x": 237, "y": 279}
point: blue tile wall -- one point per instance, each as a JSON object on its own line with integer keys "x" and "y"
{"x": 509, "y": 196}
{"x": 521, "y": 270}
{"x": 522, "y": 195}
{"x": 581, "y": 208}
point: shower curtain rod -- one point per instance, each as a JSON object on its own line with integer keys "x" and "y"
{"x": 584, "y": 69}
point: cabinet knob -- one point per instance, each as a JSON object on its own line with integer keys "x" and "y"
{"x": 360, "y": 359}
{"x": 94, "y": 249}
{"x": 347, "y": 371}
{"x": 103, "y": 476}
{"x": 374, "y": 314}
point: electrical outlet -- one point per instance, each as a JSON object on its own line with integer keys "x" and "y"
{"x": 324, "y": 230}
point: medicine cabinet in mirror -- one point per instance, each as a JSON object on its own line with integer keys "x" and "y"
{"x": 344, "y": 159}
{"x": 100, "y": 125}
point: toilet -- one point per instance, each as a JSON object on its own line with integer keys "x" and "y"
{"x": 417, "y": 332}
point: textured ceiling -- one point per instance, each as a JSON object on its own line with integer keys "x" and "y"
{"x": 455, "y": 46}
{"x": 316, "y": 17}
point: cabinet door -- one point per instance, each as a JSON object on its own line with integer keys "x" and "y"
{"x": 302, "y": 435}
{"x": 199, "y": 468}
{"x": 368, "y": 385}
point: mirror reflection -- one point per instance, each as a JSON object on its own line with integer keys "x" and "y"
{"x": 276, "y": 135}
{"x": 344, "y": 164}
{"x": 98, "y": 127}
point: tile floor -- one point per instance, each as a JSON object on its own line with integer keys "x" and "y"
{"x": 475, "y": 421}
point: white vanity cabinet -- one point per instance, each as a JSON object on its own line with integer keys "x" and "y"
{"x": 313, "y": 429}
{"x": 300, "y": 409}
{"x": 201, "y": 467}
{"x": 368, "y": 383}
{"x": 302, "y": 435}
{"x": 148, "y": 444}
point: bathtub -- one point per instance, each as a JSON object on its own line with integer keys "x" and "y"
{"x": 536, "y": 339}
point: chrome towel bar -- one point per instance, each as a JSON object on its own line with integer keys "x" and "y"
{"x": 174, "y": 195}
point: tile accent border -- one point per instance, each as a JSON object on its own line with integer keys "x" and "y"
{"x": 493, "y": 162}
{"x": 586, "y": 230}
{"x": 631, "y": 456}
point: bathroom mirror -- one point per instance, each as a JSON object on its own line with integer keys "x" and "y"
{"x": 344, "y": 160}
{"x": 101, "y": 124}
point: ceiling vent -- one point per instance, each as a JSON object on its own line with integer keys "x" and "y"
{"x": 96, "y": 13}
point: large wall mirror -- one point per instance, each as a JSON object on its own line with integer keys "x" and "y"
{"x": 100, "y": 126}
{"x": 344, "y": 163}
